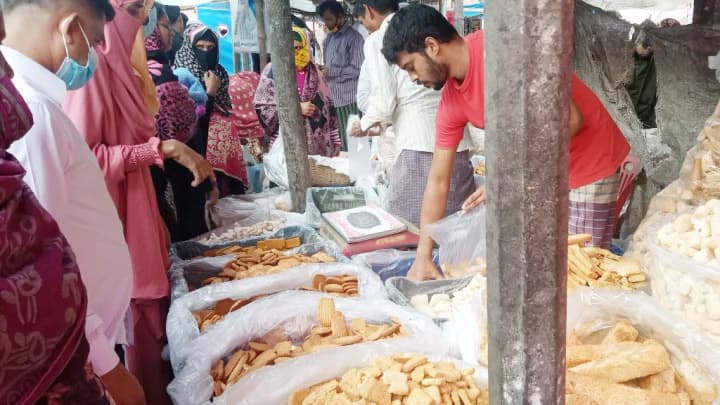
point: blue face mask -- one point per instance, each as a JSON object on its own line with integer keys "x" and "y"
{"x": 149, "y": 28}
{"x": 74, "y": 74}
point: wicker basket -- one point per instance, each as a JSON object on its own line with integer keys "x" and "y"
{"x": 324, "y": 176}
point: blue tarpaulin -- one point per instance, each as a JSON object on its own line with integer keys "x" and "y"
{"x": 214, "y": 15}
{"x": 474, "y": 10}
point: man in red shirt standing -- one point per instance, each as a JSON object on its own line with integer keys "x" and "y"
{"x": 422, "y": 42}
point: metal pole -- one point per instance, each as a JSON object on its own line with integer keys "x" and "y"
{"x": 292, "y": 124}
{"x": 528, "y": 47}
{"x": 262, "y": 35}
{"x": 459, "y": 17}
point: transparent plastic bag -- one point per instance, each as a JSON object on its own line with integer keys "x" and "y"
{"x": 234, "y": 231}
{"x": 685, "y": 287}
{"x": 461, "y": 239}
{"x": 693, "y": 354}
{"x": 188, "y": 269}
{"x": 466, "y": 330}
{"x": 387, "y": 263}
{"x": 182, "y": 328}
{"x": 293, "y": 314}
{"x": 274, "y": 163}
{"x": 232, "y": 209}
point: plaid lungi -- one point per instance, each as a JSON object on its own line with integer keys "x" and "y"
{"x": 409, "y": 178}
{"x": 592, "y": 210}
{"x": 343, "y": 113}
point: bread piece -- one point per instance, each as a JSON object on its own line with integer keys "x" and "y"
{"x": 628, "y": 364}
{"x": 660, "y": 382}
{"x": 580, "y": 354}
{"x": 621, "y": 332}
{"x": 578, "y": 399}
{"x": 607, "y": 393}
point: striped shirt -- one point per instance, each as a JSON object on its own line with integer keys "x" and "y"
{"x": 343, "y": 52}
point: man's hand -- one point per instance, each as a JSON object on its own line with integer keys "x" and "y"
{"x": 475, "y": 199}
{"x": 123, "y": 386}
{"x": 423, "y": 269}
{"x": 356, "y": 129}
{"x": 187, "y": 157}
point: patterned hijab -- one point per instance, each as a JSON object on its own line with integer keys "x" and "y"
{"x": 187, "y": 57}
{"x": 43, "y": 302}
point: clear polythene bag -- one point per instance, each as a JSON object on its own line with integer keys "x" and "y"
{"x": 182, "y": 329}
{"x": 693, "y": 354}
{"x": 293, "y": 315}
{"x": 686, "y": 287}
{"x": 327, "y": 367}
{"x": 461, "y": 237}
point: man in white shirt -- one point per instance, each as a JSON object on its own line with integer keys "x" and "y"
{"x": 410, "y": 108}
{"x": 64, "y": 173}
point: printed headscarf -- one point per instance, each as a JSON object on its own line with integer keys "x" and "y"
{"x": 188, "y": 58}
{"x": 302, "y": 56}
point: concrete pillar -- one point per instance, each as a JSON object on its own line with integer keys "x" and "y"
{"x": 528, "y": 65}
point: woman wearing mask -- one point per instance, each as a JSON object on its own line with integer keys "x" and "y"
{"x": 215, "y": 139}
{"x": 111, "y": 113}
{"x": 43, "y": 304}
{"x": 321, "y": 125}
{"x": 175, "y": 120}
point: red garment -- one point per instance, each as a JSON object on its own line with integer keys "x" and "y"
{"x": 111, "y": 113}
{"x": 596, "y": 151}
{"x": 242, "y": 92}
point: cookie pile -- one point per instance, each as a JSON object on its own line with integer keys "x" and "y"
{"x": 333, "y": 331}
{"x": 341, "y": 285}
{"x": 403, "y": 379}
{"x": 599, "y": 268}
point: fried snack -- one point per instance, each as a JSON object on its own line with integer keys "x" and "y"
{"x": 260, "y": 353}
{"x": 599, "y": 268}
{"x": 385, "y": 381}
{"x": 624, "y": 369}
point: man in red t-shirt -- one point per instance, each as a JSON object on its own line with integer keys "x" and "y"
{"x": 422, "y": 42}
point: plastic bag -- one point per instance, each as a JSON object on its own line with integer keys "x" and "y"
{"x": 387, "y": 263}
{"x": 359, "y": 153}
{"x": 692, "y": 353}
{"x": 233, "y": 232}
{"x": 466, "y": 330}
{"x": 188, "y": 270}
{"x": 293, "y": 314}
{"x": 182, "y": 328}
{"x": 461, "y": 238}
{"x": 685, "y": 287}
{"x": 232, "y": 209}
{"x": 274, "y": 163}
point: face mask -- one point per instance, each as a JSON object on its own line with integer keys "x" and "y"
{"x": 149, "y": 28}
{"x": 208, "y": 59}
{"x": 74, "y": 74}
{"x": 15, "y": 116}
{"x": 302, "y": 59}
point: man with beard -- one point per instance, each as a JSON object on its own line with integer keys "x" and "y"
{"x": 410, "y": 109}
{"x": 422, "y": 42}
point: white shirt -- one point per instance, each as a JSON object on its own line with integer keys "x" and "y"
{"x": 67, "y": 180}
{"x": 364, "y": 88}
{"x": 394, "y": 99}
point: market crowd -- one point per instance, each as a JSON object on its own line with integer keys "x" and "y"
{"x": 120, "y": 127}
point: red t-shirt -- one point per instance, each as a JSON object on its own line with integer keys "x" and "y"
{"x": 596, "y": 151}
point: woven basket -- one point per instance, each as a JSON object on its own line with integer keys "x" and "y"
{"x": 324, "y": 176}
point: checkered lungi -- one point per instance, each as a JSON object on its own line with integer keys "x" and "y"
{"x": 592, "y": 210}
{"x": 409, "y": 178}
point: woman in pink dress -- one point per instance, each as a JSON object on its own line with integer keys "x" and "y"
{"x": 113, "y": 117}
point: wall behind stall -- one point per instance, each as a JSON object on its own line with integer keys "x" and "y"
{"x": 213, "y": 15}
